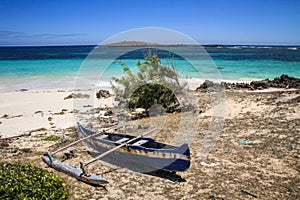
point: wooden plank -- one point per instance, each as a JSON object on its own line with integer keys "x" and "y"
{"x": 122, "y": 140}
{"x": 140, "y": 142}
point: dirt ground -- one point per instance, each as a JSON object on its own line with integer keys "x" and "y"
{"x": 257, "y": 154}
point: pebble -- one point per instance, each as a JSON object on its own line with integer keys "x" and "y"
{"x": 282, "y": 136}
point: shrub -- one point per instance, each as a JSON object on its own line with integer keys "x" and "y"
{"x": 154, "y": 83}
{"x": 25, "y": 181}
{"x": 151, "y": 94}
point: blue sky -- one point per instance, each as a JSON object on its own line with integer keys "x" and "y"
{"x": 60, "y": 22}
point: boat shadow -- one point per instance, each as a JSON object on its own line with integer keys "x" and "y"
{"x": 172, "y": 176}
{"x": 133, "y": 166}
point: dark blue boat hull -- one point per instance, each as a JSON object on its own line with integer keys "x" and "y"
{"x": 139, "y": 158}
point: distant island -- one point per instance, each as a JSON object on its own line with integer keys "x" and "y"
{"x": 147, "y": 44}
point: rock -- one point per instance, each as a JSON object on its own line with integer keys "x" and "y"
{"x": 284, "y": 81}
{"x": 5, "y": 116}
{"x": 103, "y": 113}
{"x": 21, "y": 115}
{"x": 282, "y": 136}
{"x": 3, "y": 144}
{"x": 108, "y": 113}
{"x": 87, "y": 106}
{"x": 260, "y": 84}
{"x": 78, "y": 95}
{"x": 74, "y": 111}
{"x": 210, "y": 86}
{"x": 64, "y": 139}
{"x": 140, "y": 110}
{"x": 69, "y": 153}
{"x": 23, "y": 90}
{"x": 50, "y": 118}
{"x": 103, "y": 94}
{"x": 138, "y": 113}
{"x": 206, "y": 85}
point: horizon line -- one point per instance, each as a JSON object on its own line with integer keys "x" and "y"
{"x": 158, "y": 44}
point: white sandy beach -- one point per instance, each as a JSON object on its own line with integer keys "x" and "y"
{"x": 24, "y": 111}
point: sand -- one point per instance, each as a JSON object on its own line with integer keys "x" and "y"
{"x": 25, "y": 111}
{"x": 267, "y": 168}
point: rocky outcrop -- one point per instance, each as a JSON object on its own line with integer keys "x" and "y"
{"x": 211, "y": 86}
{"x": 284, "y": 81}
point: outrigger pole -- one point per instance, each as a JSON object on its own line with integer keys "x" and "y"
{"x": 77, "y": 141}
{"x": 73, "y": 143}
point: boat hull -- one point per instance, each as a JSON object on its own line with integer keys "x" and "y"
{"x": 138, "y": 158}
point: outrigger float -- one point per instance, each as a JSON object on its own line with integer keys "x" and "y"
{"x": 134, "y": 152}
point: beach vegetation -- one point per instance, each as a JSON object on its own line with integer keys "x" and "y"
{"x": 153, "y": 83}
{"x": 51, "y": 138}
{"x": 25, "y": 181}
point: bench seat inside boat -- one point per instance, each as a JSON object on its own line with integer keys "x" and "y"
{"x": 122, "y": 140}
{"x": 102, "y": 136}
{"x": 140, "y": 142}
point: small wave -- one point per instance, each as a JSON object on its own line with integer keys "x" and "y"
{"x": 293, "y": 48}
{"x": 265, "y": 47}
{"x": 257, "y": 47}
{"x": 234, "y": 47}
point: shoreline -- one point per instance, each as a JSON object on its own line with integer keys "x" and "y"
{"x": 51, "y": 108}
{"x": 25, "y": 110}
{"x": 69, "y": 83}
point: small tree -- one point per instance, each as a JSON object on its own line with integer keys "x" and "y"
{"x": 154, "y": 83}
{"x": 152, "y": 94}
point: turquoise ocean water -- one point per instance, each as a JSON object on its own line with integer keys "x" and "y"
{"x": 59, "y": 67}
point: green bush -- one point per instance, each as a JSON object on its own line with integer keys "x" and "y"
{"x": 25, "y": 181}
{"x": 152, "y": 84}
{"x": 151, "y": 94}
